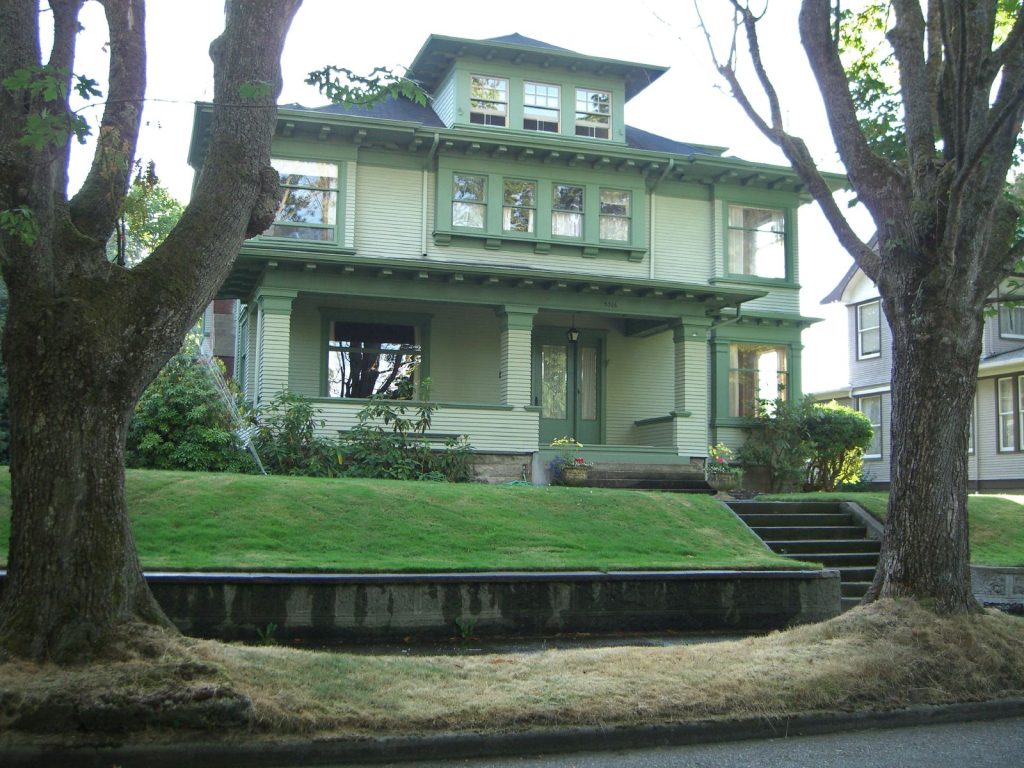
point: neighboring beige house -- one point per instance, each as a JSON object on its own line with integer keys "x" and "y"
{"x": 996, "y": 458}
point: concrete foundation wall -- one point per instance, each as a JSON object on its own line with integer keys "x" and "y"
{"x": 358, "y": 608}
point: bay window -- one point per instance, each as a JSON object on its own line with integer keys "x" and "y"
{"x": 520, "y": 206}
{"x": 757, "y": 372}
{"x": 566, "y": 210}
{"x": 469, "y": 201}
{"x": 614, "y": 221}
{"x": 757, "y": 242}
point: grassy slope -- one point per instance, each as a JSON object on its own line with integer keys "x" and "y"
{"x": 197, "y": 521}
{"x": 997, "y": 522}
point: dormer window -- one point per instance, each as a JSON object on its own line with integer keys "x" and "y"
{"x": 541, "y": 107}
{"x": 488, "y": 100}
{"x": 593, "y": 113}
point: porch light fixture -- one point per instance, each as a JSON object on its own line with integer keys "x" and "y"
{"x": 573, "y": 334}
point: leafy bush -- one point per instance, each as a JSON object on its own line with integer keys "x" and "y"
{"x": 181, "y": 422}
{"x": 286, "y": 439}
{"x": 838, "y": 436}
{"x": 806, "y": 445}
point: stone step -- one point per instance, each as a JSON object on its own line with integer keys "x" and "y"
{"x": 696, "y": 485}
{"x": 846, "y": 603}
{"x": 856, "y": 573}
{"x": 795, "y": 546}
{"x": 854, "y": 588}
{"x": 785, "y": 507}
{"x": 836, "y": 559}
{"x": 804, "y": 520}
{"x": 809, "y": 533}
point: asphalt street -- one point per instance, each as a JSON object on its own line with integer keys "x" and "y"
{"x": 991, "y": 744}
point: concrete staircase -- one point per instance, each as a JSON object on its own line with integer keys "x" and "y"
{"x": 674, "y": 478}
{"x": 818, "y": 532}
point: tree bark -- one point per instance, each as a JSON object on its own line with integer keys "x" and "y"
{"x": 84, "y": 336}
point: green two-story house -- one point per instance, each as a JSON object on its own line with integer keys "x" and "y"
{"x": 551, "y": 270}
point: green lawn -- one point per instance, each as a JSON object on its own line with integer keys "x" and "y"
{"x": 997, "y": 522}
{"x": 198, "y": 521}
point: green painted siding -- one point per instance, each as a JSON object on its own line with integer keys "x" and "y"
{"x": 274, "y": 354}
{"x": 443, "y": 100}
{"x": 692, "y": 431}
{"x": 640, "y": 379}
{"x": 660, "y": 435}
{"x": 389, "y": 213}
{"x": 464, "y": 354}
{"x": 307, "y": 348}
{"x": 682, "y": 239}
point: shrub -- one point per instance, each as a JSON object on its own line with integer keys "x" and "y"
{"x": 838, "y": 436}
{"x": 181, "y": 422}
{"x": 286, "y": 439}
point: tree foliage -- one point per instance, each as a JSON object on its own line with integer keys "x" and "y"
{"x": 149, "y": 213}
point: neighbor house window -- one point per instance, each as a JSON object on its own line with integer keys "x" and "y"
{"x": 614, "y": 223}
{"x": 593, "y": 113}
{"x": 1011, "y": 322}
{"x": 469, "y": 201}
{"x": 541, "y": 107}
{"x": 756, "y": 372}
{"x": 488, "y": 100}
{"x": 365, "y": 359}
{"x": 757, "y": 241}
{"x": 566, "y": 210}
{"x": 871, "y": 406}
{"x": 308, "y": 201}
{"x": 520, "y": 206}
{"x": 1007, "y": 405}
{"x": 869, "y": 329}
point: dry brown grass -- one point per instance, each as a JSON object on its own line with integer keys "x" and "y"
{"x": 885, "y": 656}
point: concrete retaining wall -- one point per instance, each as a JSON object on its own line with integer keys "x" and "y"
{"x": 365, "y": 608}
{"x": 998, "y": 586}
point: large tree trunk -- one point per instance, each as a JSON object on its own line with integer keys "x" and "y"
{"x": 935, "y": 352}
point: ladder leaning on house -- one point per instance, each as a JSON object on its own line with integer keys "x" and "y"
{"x": 245, "y": 433}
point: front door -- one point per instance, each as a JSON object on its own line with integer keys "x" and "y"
{"x": 567, "y": 385}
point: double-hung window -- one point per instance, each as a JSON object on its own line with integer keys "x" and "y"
{"x": 519, "y": 210}
{"x": 757, "y": 372}
{"x": 307, "y": 201}
{"x": 366, "y": 359}
{"x": 614, "y": 223}
{"x": 541, "y": 107}
{"x": 488, "y": 100}
{"x": 869, "y": 329}
{"x": 1010, "y": 412}
{"x": 566, "y": 210}
{"x": 593, "y": 113}
{"x": 1011, "y": 322}
{"x": 757, "y": 241}
{"x": 871, "y": 406}
{"x": 469, "y": 201}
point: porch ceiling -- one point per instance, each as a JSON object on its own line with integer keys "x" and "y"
{"x": 488, "y": 285}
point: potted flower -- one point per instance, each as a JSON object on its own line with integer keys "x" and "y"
{"x": 720, "y": 471}
{"x": 569, "y": 467}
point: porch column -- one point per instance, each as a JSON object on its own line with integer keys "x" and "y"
{"x": 690, "y": 346}
{"x": 273, "y": 341}
{"x": 515, "y": 363}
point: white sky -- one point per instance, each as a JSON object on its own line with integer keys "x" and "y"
{"x": 687, "y": 103}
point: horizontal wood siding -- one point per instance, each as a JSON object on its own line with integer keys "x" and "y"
{"x": 388, "y": 219}
{"x": 274, "y": 354}
{"x": 988, "y": 463}
{"x": 682, "y": 239}
{"x": 488, "y": 430}
{"x": 993, "y": 344}
{"x": 778, "y": 300}
{"x": 350, "y": 214}
{"x": 877, "y": 470}
{"x": 464, "y": 355}
{"x": 308, "y": 349}
{"x": 873, "y": 371}
{"x": 640, "y": 378}
{"x": 692, "y": 431}
{"x": 443, "y": 101}
{"x": 660, "y": 435}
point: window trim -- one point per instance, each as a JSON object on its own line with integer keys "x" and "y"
{"x": 881, "y": 423}
{"x": 782, "y": 376}
{"x": 1014, "y": 413}
{"x": 582, "y": 213}
{"x": 628, "y": 217}
{"x": 860, "y": 330}
{"x": 483, "y": 204}
{"x": 557, "y": 110}
{"x": 788, "y": 223}
{"x": 999, "y": 318}
{"x": 576, "y": 113}
{"x": 339, "y": 201}
{"x": 534, "y": 220}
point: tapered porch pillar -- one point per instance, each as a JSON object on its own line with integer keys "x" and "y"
{"x": 690, "y": 346}
{"x": 515, "y": 363}
{"x": 273, "y": 341}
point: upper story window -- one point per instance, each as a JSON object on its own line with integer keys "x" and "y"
{"x": 1011, "y": 322}
{"x": 869, "y": 330}
{"x": 488, "y": 100}
{"x": 593, "y": 113}
{"x": 469, "y": 201}
{"x": 566, "y": 210}
{"x": 541, "y": 107}
{"x": 615, "y": 222}
{"x": 756, "y": 372}
{"x": 308, "y": 207}
{"x": 519, "y": 211}
{"x": 365, "y": 359}
{"x": 757, "y": 241}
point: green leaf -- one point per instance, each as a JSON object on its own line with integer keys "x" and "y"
{"x": 20, "y": 223}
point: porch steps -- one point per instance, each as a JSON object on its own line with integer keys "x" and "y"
{"x": 673, "y": 478}
{"x": 818, "y": 532}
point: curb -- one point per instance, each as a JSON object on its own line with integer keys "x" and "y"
{"x": 451, "y": 746}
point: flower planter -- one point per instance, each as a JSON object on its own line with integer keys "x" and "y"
{"x": 574, "y": 475}
{"x": 724, "y": 482}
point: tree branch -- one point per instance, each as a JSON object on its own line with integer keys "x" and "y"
{"x": 62, "y": 57}
{"x": 907, "y": 38}
{"x": 95, "y": 208}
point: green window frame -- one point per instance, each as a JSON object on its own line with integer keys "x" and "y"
{"x": 469, "y": 201}
{"x": 542, "y": 107}
{"x": 308, "y": 201}
{"x": 519, "y": 206}
{"x": 568, "y": 209}
{"x": 593, "y": 113}
{"x": 615, "y": 222}
{"x": 753, "y": 377}
{"x": 367, "y": 358}
{"x": 756, "y": 242}
{"x": 488, "y": 100}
